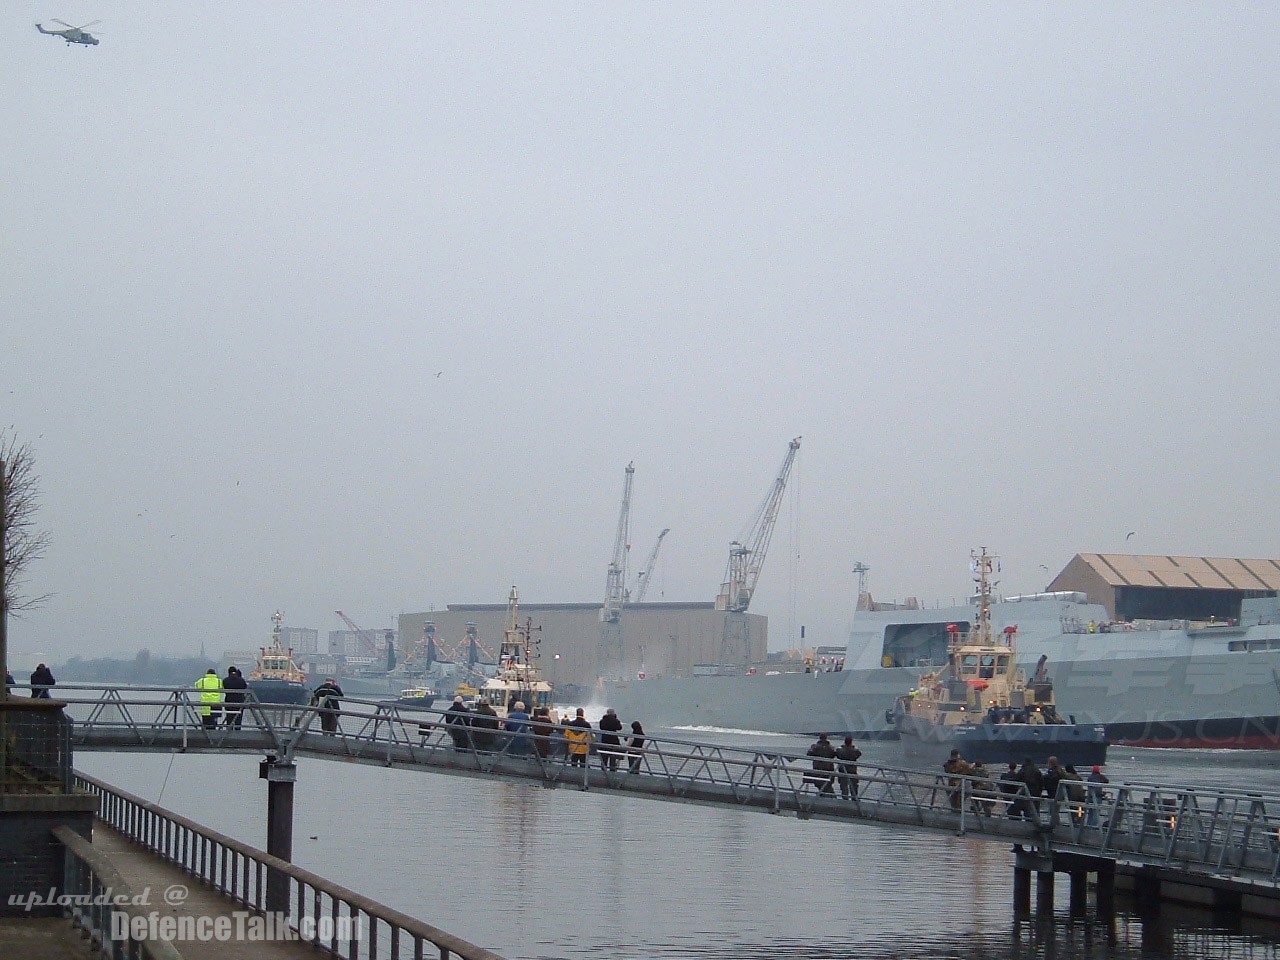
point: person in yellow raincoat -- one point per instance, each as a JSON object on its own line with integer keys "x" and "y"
{"x": 210, "y": 687}
{"x": 577, "y": 735}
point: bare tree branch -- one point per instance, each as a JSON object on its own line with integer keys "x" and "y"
{"x": 23, "y": 543}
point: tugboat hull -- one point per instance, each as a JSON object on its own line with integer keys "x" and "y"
{"x": 280, "y": 691}
{"x": 1074, "y": 744}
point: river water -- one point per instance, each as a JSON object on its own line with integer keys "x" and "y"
{"x": 536, "y": 873}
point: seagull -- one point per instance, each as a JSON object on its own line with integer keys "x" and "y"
{"x": 1130, "y": 534}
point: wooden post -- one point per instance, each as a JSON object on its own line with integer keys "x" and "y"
{"x": 1044, "y": 891}
{"x": 1021, "y": 891}
{"x": 1106, "y": 888}
{"x": 1079, "y": 893}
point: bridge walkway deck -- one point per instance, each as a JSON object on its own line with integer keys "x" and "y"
{"x": 144, "y": 869}
{"x": 41, "y": 938}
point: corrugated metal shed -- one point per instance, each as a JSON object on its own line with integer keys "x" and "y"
{"x": 1208, "y": 573}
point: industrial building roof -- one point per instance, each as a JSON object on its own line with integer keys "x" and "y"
{"x": 1209, "y": 573}
{"x": 530, "y": 607}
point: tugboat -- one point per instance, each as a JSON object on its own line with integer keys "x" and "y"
{"x": 518, "y": 676}
{"x": 415, "y": 698}
{"x": 982, "y": 704}
{"x": 276, "y": 678}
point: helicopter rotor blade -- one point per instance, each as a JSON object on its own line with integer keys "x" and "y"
{"x": 89, "y": 24}
{"x": 64, "y": 23}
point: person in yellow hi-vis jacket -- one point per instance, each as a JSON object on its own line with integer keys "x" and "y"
{"x": 577, "y": 737}
{"x": 210, "y": 687}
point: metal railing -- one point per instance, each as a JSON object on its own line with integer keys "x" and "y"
{"x": 98, "y": 896}
{"x": 1200, "y": 829}
{"x": 320, "y": 911}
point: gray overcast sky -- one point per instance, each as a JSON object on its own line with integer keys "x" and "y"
{"x": 1009, "y": 269}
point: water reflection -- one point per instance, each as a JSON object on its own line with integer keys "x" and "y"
{"x": 540, "y": 873}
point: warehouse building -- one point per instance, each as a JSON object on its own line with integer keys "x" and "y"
{"x": 1159, "y": 588}
{"x": 658, "y": 639}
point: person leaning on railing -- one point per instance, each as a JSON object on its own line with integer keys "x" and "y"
{"x": 1097, "y": 796}
{"x": 41, "y": 681}
{"x": 210, "y": 687}
{"x": 958, "y": 767}
{"x": 541, "y": 724}
{"x": 233, "y": 687}
{"x": 327, "y": 697}
{"x": 577, "y": 736}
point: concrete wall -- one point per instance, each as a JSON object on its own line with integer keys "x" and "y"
{"x": 31, "y": 859}
{"x": 666, "y": 639}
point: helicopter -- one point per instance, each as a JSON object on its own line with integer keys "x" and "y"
{"x": 72, "y": 34}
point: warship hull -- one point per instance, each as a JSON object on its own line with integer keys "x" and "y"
{"x": 1223, "y": 700}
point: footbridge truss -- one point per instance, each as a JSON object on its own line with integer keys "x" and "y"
{"x": 1232, "y": 836}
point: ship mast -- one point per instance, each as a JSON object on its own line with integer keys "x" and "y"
{"x": 984, "y": 565}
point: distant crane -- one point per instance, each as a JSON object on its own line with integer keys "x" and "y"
{"x": 746, "y": 559}
{"x": 366, "y": 637}
{"x": 643, "y": 577}
{"x": 615, "y": 583}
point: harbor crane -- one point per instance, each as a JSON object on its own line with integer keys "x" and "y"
{"x": 366, "y": 637}
{"x": 643, "y": 577}
{"x": 746, "y": 559}
{"x": 615, "y": 584}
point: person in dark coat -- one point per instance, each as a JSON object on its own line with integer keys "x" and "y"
{"x": 540, "y": 723}
{"x": 1097, "y": 796}
{"x": 824, "y": 769}
{"x": 1052, "y": 777}
{"x": 635, "y": 748}
{"x": 484, "y": 726}
{"x": 233, "y": 687}
{"x": 41, "y": 681}
{"x": 1010, "y": 787}
{"x": 326, "y": 697}
{"x": 848, "y": 756}
{"x": 610, "y": 727}
{"x": 1034, "y": 780}
{"x": 458, "y": 718}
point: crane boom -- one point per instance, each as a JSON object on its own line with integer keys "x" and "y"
{"x": 615, "y": 584}
{"x": 746, "y": 558}
{"x": 366, "y": 636}
{"x": 642, "y": 578}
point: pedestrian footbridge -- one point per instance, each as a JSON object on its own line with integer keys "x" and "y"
{"x": 1222, "y": 840}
